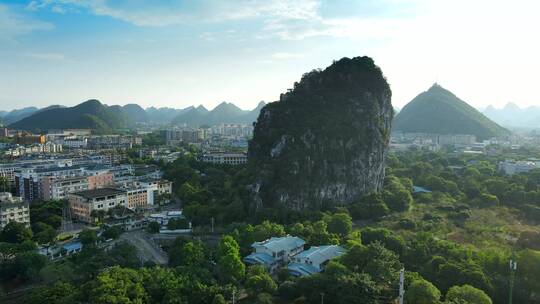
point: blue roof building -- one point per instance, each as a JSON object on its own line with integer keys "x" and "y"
{"x": 313, "y": 260}
{"x": 275, "y": 252}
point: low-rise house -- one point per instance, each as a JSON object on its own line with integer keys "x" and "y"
{"x": 313, "y": 260}
{"x": 13, "y": 209}
{"x": 275, "y": 252}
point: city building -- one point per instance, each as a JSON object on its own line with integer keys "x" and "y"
{"x": 99, "y": 178}
{"x": 13, "y": 209}
{"x": 54, "y": 188}
{"x": 28, "y": 180}
{"x": 29, "y": 139}
{"x": 275, "y": 252}
{"x": 164, "y": 217}
{"x": 313, "y": 260}
{"x": 83, "y": 203}
{"x": 138, "y": 198}
{"x": 512, "y": 167}
{"x": 113, "y": 142}
{"x": 233, "y": 130}
{"x": 224, "y": 158}
{"x": 75, "y": 143}
{"x": 41, "y": 149}
{"x": 4, "y": 132}
{"x": 184, "y": 135}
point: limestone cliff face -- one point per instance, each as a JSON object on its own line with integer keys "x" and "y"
{"x": 324, "y": 141}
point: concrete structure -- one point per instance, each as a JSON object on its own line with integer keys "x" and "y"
{"x": 83, "y": 203}
{"x": 275, "y": 252}
{"x": 13, "y": 209}
{"x": 61, "y": 250}
{"x": 511, "y": 167}
{"x": 164, "y": 217}
{"x": 100, "y": 179}
{"x": 29, "y": 139}
{"x": 184, "y": 135}
{"x": 224, "y": 158}
{"x": 41, "y": 149}
{"x": 75, "y": 143}
{"x": 456, "y": 139}
{"x": 53, "y": 188}
{"x": 138, "y": 198}
{"x": 55, "y": 182}
{"x": 238, "y": 130}
{"x": 113, "y": 141}
{"x": 313, "y": 260}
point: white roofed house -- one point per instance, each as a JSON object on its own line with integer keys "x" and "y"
{"x": 275, "y": 252}
{"x": 314, "y": 260}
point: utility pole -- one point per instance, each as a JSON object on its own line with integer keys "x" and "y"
{"x": 513, "y": 269}
{"x": 322, "y": 298}
{"x": 233, "y": 296}
{"x": 401, "y": 285}
{"x": 212, "y": 224}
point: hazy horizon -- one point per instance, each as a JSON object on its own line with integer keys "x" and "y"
{"x": 176, "y": 54}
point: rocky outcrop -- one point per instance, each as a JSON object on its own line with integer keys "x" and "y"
{"x": 325, "y": 140}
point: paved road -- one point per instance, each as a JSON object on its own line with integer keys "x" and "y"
{"x": 148, "y": 250}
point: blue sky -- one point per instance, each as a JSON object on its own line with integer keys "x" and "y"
{"x": 181, "y": 53}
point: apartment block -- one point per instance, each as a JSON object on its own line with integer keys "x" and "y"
{"x": 83, "y": 203}
{"x": 13, "y": 209}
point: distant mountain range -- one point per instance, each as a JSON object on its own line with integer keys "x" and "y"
{"x": 512, "y": 116}
{"x": 440, "y": 111}
{"x": 225, "y": 112}
{"x": 92, "y": 114}
{"x": 16, "y": 115}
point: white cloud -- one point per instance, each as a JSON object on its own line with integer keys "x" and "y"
{"x": 285, "y": 55}
{"x": 47, "y": 56}
{"x": 13, "y": 24}
{"x": 152, "y": 13}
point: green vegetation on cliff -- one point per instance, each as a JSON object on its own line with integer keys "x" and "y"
{"x": 325, "y": 140}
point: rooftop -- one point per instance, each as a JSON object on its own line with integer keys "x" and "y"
{"x": 260, "y": 258}
{"x": 280, "y": 243}
{"x": 90, "y": 194}
{"x": 297, "y": 269}
{"x": 321, "y": 253}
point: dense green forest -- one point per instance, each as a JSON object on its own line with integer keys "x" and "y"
{"x": 455, "y": 242}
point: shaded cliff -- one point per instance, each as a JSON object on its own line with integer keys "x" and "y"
{"x": 324, "y": 141}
